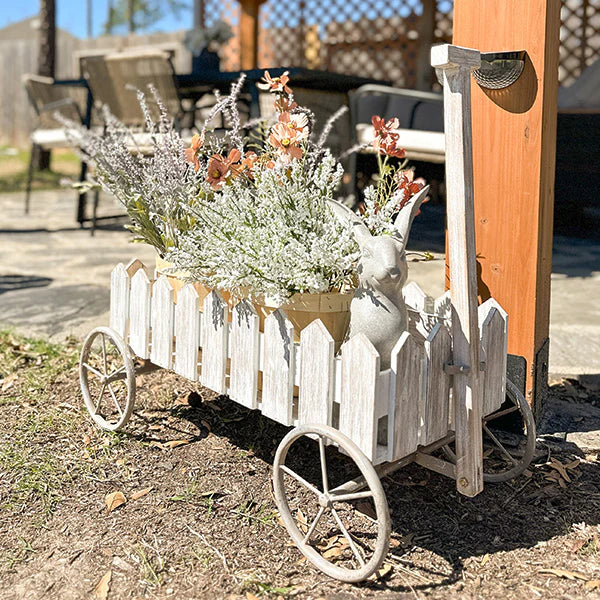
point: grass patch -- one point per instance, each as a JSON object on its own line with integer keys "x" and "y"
{"x": 14, "y": 165}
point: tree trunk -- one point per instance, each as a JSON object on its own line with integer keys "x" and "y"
{"x": 46, "y": 58}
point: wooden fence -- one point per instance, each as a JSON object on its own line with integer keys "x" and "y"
{"x": 387, "y": 413}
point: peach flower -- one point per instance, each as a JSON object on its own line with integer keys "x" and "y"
{"x": 219, "y": 167}
{"x": 191, "y": 153}
{"x": 276, "y": 85}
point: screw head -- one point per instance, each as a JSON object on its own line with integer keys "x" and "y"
{"x": 464, "y": 482}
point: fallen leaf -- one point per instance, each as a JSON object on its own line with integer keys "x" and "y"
{"x": 250, "y": 596}
{"x": 301, "y": 519}
{"x": 564, "y": 574}
{"x": 8, "y": 381}
{"x": 114, "y": 500}
{"x": 332, "y": 552}
{"x": 558, "y": 466}
{"x": 573, "y": 464}
{"x": 101, "y": 590}
{"x": 594, "y": 584}
{"x": 140, "y": 494}
{"x": 384, "y": 570}
{"x": 87, "y": 440}
{"x": 157, "y": 445}
{"x": 485, "y": 558}
{"x": 175, "y": 443}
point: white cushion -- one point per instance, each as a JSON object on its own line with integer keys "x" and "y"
{"x": 429, "y": 146}
{"x": 50, "y": 138}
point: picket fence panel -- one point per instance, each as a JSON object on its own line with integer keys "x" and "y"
{"x": 187, "y": 332}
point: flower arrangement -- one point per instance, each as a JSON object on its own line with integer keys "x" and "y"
{"x": 247, "y": 211}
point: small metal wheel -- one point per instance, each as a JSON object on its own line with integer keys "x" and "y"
{"x": 506, "y": 454}
{"x": 344, "y": 531}
{"x": 107, "y": 378}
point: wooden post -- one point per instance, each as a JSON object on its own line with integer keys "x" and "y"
{"x": 514, "y": 144}
{"x": 249, "y": 33}
{"x": 426, "y": 36}
{"x": 456, "y": 65}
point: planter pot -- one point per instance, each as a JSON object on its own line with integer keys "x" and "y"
{"x": 333, "y": 308}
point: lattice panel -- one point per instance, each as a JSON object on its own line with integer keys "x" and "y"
{"x": 579, "y": 38}
{"x": 228, "y": 11}
{"x": 357, "y": 37}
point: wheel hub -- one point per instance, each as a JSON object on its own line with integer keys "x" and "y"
{"x": 325, "y": 501}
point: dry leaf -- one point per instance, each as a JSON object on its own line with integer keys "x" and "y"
{"x": 140, "y": 494}
{"x": 564, "y": 574}
{"x": 157, "y": 445}
{"x": 301, "y": 519}
{"x": 485, "y": 558}
{"x": 332, "y": 552}
{"x": 115, "y": 499}
{"x": 8, "y": 381}
{"x": 101, "y": 590}
{"x": 573, "y": 464}
{"x": 558, "y": 466}
{"x": 250, "y": 596}
{"x": 384, "y": 570}
{"x": 594, "y": 584}
{"x": 175, "y": 443}
{"x": 87, "y": 440}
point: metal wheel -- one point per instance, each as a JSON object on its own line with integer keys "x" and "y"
{"x": 314, "y": 516}
{"x": 107, "y": 378}
{"x": 506, "y": 454}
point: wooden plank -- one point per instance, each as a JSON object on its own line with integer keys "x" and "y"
{"x": 438, "y": 350}
{"x": 133, "y": 266}
{"x": 245, "y": 348}
{"x": 493, "y": 326}
{"x": 119, "y": 300}
{"x": 139, "y": 314}
{"x": 315, "y": 401}
{"x": 456, "y": 64}
{"x": 514, "y": 196}
{"x": 278, "y": 371}
{"x": 407, "y": 364}
{"x": 249, "y": 25}
{"x": 161, "y": 352}
{"x": 187, "y": 332}
{"x": 360, "y": 371}
{"x": 214, "y": 342}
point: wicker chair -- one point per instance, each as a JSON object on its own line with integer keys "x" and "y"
{"x": 48, "y": 99}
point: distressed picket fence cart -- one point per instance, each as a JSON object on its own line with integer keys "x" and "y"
{"x": 446, "y": 385}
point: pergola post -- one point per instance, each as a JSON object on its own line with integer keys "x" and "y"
{"x": 514, "y": 148}
{"x": 426, "y": 37}
{"x": 249, "y": 24}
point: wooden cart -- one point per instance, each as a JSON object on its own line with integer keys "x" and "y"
{"x": 445, "y": 389}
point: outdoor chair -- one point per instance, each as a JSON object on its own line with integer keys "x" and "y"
{"x": 421, "y": 119}
{"x": 48, "y": 99}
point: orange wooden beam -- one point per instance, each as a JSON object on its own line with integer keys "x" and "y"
{"x": 514, "y": 146}
{"x": 249, "y": 24}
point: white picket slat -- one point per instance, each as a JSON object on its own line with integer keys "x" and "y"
{"x": 139, "y": 314}
{"x": 407, "y": 364}
{"x": 119, "y": 300}
{"x": 161, "y": 352}
{"x": 187, "y": 332}
{"x": 315, "y": 400}
{"x": 360, "y": 371}
{"x": 245, "y": 347}
{"x": 214, "y": 342}
{"x": 493, "y": 325}
{"x": 438, "y": 350}
{"x": 278, "y": 371}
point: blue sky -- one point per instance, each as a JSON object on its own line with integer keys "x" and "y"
{"x": 71, "y": 15}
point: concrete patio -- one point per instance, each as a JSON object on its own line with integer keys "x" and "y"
{"x": 54, "y": 277}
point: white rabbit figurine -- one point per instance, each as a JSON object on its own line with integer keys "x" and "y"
{"x": 378, "y": 308}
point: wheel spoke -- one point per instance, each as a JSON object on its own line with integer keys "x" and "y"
{"x": 497, "y": 442}
{"x": 112, "y": 393}
{"x": 313, "y": 525}
{"x": 114, "y": 375}
{"x": 97, "y": 407}
{"x": 349, "y": 539}
{"x": 94, "y": 371}
{"x": 323, "y": 465}
{"x": 501, "y": 413}
{"x": 301, "y": 480}
{"x": 104, "y": 354}
{"x": 350, "y": 497}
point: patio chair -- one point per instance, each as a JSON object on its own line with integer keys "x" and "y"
{"x": 421, "y": 119}
{"x": 48, "y": 99}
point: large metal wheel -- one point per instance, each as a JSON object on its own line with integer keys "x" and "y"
{"x": 107, "y": 378}
{"x": 506, "y": 454}
{"x": 314, "y": 515}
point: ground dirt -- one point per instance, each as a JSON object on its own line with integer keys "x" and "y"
{"x": 200, "y": 521}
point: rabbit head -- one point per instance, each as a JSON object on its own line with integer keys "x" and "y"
{"x": 382, "y": 265}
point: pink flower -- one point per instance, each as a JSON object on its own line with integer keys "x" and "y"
{"x": 407, "y": 183}
{"x": 283, "y": 104}
{"x": 387, "y": 136}
{"x": 297, "y": 122}
{"x": 219, "y": 167}
{"x": 191, "y": 153}
{"x": 285, "y": 140}
{"x": 277, "y": 85}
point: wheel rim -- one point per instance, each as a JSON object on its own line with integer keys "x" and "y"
{"x": 350, "y": 551}
{"x": 506, "y": 455}
{"x": 107, "y": 378}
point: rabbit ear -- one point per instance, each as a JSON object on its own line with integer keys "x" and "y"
{"x": 407, "y": 214}
{"x": 344, "y": 214}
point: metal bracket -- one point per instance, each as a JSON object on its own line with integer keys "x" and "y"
{"x": 451, "y": 369}
{"x": 498, "y": 70}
